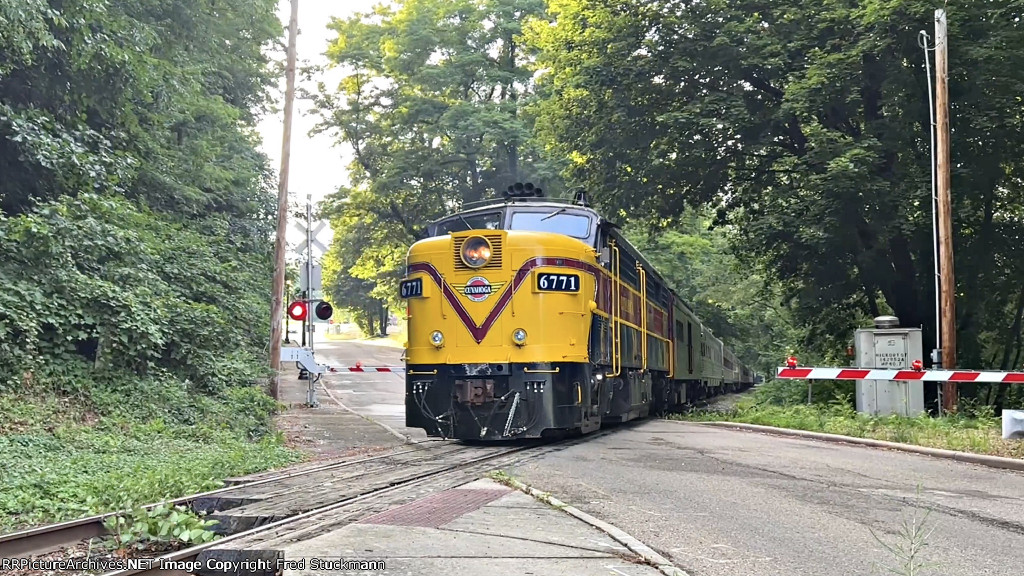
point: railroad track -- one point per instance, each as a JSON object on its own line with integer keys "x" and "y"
{"x": 365, "y": 484}
{"x": 363, "y": 501}
{"x": 53, "y": 537}
{"x": 372, "y": 483}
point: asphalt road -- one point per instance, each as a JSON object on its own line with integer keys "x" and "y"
{"x": 731, "y": 503}
{"x": 722, "y": 502}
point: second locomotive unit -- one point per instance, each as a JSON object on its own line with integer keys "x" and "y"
{"x": 534, "y": 318}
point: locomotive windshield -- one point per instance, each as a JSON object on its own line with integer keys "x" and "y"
{"x": 566, "y": 220}
{"x": 560, "y": 222}
{"x": 463, "y": 222}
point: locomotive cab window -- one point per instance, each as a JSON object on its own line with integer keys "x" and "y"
{"x": 463, "y": 222}
{"x": 554, "y": 220}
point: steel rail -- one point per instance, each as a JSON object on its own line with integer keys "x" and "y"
{"x": 51, "y": 537}
{"x": 190, "y": 554}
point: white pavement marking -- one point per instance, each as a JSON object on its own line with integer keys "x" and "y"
{"x": 645, "y": 511}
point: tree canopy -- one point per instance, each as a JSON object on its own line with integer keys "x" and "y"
{"x": 431, "y": 105}
{"x": 807, "y": 128}
{"x": 804, "y": 130}
{"x": 135, "y": 208}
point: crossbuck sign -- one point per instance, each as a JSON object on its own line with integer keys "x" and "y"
{"x": 302, "y": 246}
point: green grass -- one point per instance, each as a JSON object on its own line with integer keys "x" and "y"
{"x": 972, "y": 431}
{"x": 68, "y": 457}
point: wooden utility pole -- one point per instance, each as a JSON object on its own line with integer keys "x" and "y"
{"x": 277, "y": 300}
{"x": 949, "y": 389}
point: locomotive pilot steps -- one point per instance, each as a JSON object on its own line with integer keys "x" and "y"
{"x": 534, "y": 318}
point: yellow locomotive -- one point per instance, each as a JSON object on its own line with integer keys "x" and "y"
{"x": 531, "y": 317}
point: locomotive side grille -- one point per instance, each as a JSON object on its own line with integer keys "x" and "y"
{"x": 495, "y": 262}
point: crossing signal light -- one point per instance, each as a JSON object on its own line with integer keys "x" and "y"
{"x": 297, "y": 311}
{"x": 323, "y": 310}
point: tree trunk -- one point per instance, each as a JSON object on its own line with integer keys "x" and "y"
{"x": 1013, "y": 334}
{"x": 1012, "y": 337}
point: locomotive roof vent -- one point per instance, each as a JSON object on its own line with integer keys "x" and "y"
{"x": 887, "y": 322}
{"x": 520, "y": 190}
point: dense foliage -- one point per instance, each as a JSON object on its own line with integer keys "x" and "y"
{"x": 436, "y": 107}
{"x": 805, "y": 130}
{"x": 699, "y": 264}
{"x": 431, "y": 105}
{"x": 135, "y": 226}
{"x": 808, "y": 128}
{"x": 136, "y": 237}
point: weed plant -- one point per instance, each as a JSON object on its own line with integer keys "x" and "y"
{"x": 113, "y": 445}
{"x": 911, "y": 541}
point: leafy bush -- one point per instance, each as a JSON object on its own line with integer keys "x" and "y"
{"x": 118, "y": 464}
{"x": 973, "y": 429}
{"x": 161, "y": 524}
{"x": 97, "y": 282}
{"x": 136, "y": 217}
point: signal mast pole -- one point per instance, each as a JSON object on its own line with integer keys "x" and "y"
{"x": 309, "y": 267}
{"x": 949, "y": 389}
{"x": 277, "y": 299}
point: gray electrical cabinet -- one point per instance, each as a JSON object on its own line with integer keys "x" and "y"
{"x": 889, "y": 347}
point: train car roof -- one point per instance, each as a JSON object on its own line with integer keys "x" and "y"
{"x": 555, "y": 203}
{"x": 604, "y": 223}
{"x": 492, "y": 203}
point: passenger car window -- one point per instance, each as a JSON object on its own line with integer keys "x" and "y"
{"x": 569, "y": 224}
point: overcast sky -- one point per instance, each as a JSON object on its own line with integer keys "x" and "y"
{"x": 317, "y": 166}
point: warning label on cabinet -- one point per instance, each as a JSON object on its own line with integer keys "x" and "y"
{"x": 891, "y": 352}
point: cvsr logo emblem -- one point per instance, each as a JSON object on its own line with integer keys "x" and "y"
{"x": 477, "y": 289}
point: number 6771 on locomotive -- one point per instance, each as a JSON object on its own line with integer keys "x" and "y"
{"x": 535, "y": 318}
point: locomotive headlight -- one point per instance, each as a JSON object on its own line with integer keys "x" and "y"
{"x": 436, "y": 338}
{"x": 476, "y": 252}
{"x": 519, "y": 336}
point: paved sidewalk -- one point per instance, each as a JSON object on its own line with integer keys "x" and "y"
{"x": 480, "y": 528}
{"x": 327, "y": 431}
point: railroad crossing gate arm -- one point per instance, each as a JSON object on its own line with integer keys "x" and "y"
{"x": 304, "y": 356}
{"x": 801, "y": 373}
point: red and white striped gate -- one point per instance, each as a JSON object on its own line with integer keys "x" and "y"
{"x": 792, "y": 372}
{"x": 360, "y": 368}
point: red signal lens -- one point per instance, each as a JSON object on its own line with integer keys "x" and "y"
{"x": 917, "y": 365}
{"x": 791, "y": 362}
{"x": 297, "y": 311}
